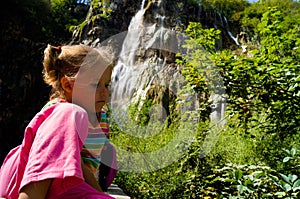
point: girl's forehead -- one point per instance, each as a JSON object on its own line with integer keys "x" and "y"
{"x": 95, "y": 73}
{"x": 104, "y": 78}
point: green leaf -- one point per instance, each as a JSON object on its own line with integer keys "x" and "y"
{"x": 280, "y": 194}
{"x": 286, "y": 159}
{"x": 257, "y": 174}
{"x": 248, "y": 183}
{"x": 274, "y": 178}
{"x": 240, "y": 188}
{"x": 293, "y": 178}
{"x": 238, "y": 174}
{"x": 296, "y": 185}
{"x": 287, "y": 187}
{"x": 293, "y": 150}
{"x": 285, "y": 178}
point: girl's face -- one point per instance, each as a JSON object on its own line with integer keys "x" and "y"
{"x": 102, "y": 90}
{"x": 91, "y": 87}
{"x": 91, "y": 92}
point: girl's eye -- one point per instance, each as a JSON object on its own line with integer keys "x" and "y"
{"x": 107, "y": 85}
{"x": 95, "y": 85}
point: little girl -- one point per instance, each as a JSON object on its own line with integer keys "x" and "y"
{"x": 48, "y": 163}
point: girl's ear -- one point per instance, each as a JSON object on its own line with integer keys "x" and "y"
{"x": 67, "y": 86}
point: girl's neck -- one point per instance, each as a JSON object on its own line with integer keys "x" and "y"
{"x": 94, "y": 118}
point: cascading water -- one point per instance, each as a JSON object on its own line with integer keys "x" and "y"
{"x": 131, "y": 76}
{"x": 136, "y": 73}
{"x": 229, "y": 32}
{"x": 125, "y": 73}
{"x": 143, "y": 5}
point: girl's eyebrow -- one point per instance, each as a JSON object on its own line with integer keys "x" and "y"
{"x": 94, "y": 80}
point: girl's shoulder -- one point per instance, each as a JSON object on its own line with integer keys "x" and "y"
{"x": 62, "y": 108}
{"x": 53, "y": 102}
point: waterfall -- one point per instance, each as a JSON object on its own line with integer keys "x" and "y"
{"x": 161, "y": 25}
{"x": 143, "y": 5}
{"x": 125, "y": 73}
{"x": 136, "y": 73}
{"x": 131, "y": 78}
{"x": 229, "y": 33}
{"x": 131, "y": 43}
{"x": 222, "y": 20}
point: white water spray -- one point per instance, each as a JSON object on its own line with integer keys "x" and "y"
{"x": 143, "y": 5}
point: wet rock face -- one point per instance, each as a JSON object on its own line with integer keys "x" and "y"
{"x": 163, "y": 102}
{"x": 157, "y": 19}
{"x": 171, "y": 14}
{"x": 100, "y": 28}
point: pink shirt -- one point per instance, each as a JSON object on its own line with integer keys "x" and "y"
{"x": 50, "y": 149}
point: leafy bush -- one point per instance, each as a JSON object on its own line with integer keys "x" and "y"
{"x": 202, "y": 181}
{"x": 250, "y": 181}
{"x": 262, "y": 118}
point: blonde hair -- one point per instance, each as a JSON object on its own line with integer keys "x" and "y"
{"x": 62, "y": 61}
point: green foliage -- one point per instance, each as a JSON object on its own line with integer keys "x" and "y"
{"x": 173, "y": 180}
{"x": 66, "y": 15}
{"x": 225, "y": 7}
{"x": 196, "y": 175}
{"x": 251, "y": 16}
{"x": 292, "y": 160}
{"x": 279, "y": 38}
{"x": 201, "y": 37}
{"x": 280, "y": 54}
{"x": 197, "y": 63}
{"x": 263, "y": 116}
{"x": 250, "y": 181}
{"x": 99, "y": 9}
{"x": 268, "y": 79}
